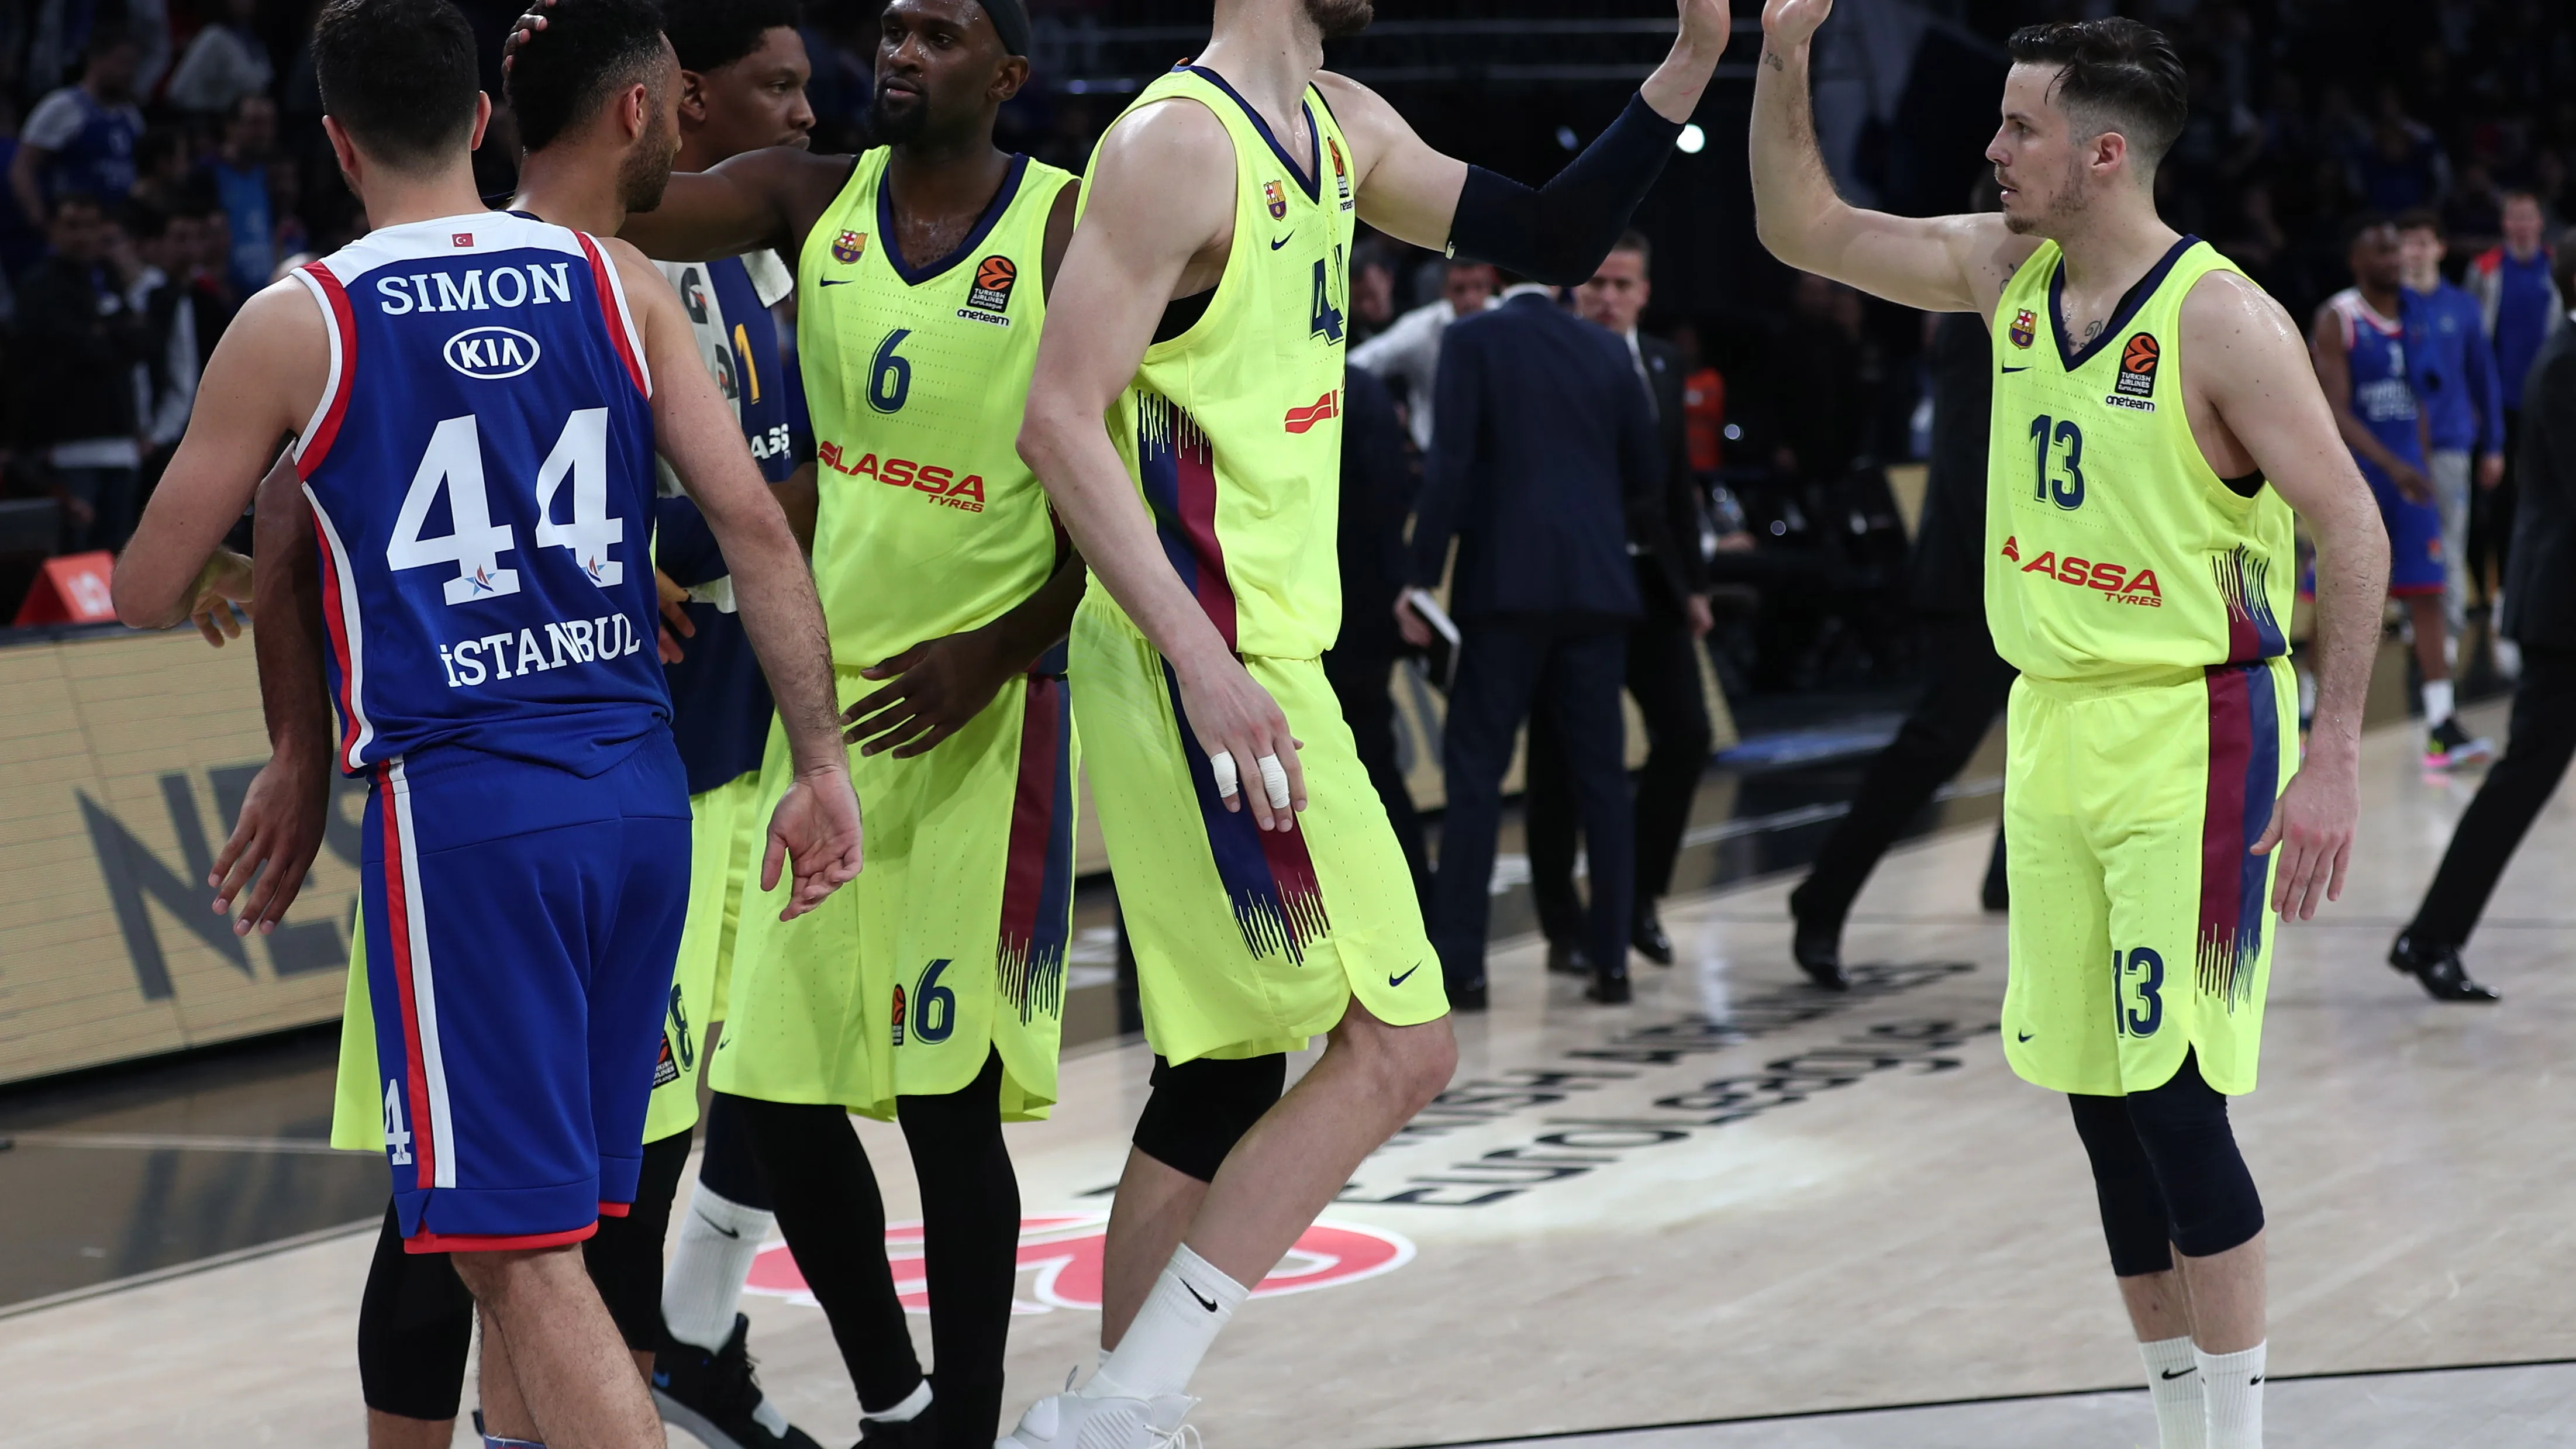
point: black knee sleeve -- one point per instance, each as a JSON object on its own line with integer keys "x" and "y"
{"x": 729, "y": 1169}
{"x": 2209, "y": 1195}
{"x": 625, "y": 1255}
{"x": 414, "y": 1326}
{"x": 1201, "y": 1108}
{"x": 2133, "y": 1207}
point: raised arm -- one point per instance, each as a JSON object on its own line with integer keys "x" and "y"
{"x": 1554, "y": 233}
{"x": 1161, "y": 207}
{"x": 260, "y": 387}
{"x": 2245, "y": 377}
{"x": 1939, "y": 264}
{"x": 759, "y": 199}
{"x": 816, "y": 825}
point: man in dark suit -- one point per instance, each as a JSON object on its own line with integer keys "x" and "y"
{"x": 1967, "y": 681}
{"x": 2540, "y": 616}
{"x": 1378, "y": 485}
{"x": 1545, "y": 448}
{"x": 1663, "y": 660}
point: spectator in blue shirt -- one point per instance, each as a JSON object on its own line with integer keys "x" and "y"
{"x": 2521, "y": 307}
{"x": 240, "y": 175}
{"x": 2454, "y": 372}
{"x": 82, "y": 139}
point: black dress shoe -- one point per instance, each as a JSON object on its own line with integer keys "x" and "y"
{"x": 2438, "y": 967}
{"x": 1565, "y": 959}
{"x": 1467, "y": 998}
{"x": 1818, "y": 950}
{"x": 1607, "y": 989}
{"x": 1647, "y": 935}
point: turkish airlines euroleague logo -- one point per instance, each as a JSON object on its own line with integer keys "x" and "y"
{"x": 1063, "y": 1251}
{"x": 2138, "y": 366}
{"x": 994, "y": 277}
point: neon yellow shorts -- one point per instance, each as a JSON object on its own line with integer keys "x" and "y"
{"x": 2140, "y": 923}
{"x": 949, "y": 947}
{"x": 725, "y": 836}
{"x": 1247, "y": 941}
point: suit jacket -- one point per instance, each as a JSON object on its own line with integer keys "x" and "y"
{"x": 1377, "y": 495}
{"x": 1545, "y": 453}
{"x": 1950, "y": 543}
{"x": 1676, "y": 550}
{"x": 2540, "y": 577}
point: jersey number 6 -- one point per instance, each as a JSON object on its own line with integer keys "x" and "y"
{"x": 474, "y": 543}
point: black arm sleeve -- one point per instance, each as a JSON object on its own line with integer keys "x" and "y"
{"x": 1560, "y": 232}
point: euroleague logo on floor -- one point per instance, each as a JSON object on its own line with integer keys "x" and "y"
{"x": 1064, "y": 1250}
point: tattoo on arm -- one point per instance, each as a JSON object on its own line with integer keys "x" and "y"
{"x": 1772, "y": 59}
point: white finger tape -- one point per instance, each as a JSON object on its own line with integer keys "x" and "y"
{"x": 1274, "y": 781}
{"x": 1221, "y": 765}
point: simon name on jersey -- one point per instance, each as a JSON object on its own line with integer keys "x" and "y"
{"x": 530, "y": 285}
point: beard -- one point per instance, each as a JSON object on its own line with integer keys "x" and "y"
{"x": 897, "y": 123}
{"x": 646, "y": 172}
{"x": 1337, "y": 19}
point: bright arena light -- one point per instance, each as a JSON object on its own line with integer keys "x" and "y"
{"x": 1691, "y": 140}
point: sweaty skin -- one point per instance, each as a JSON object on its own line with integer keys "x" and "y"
{"x": 2251, "y": 397}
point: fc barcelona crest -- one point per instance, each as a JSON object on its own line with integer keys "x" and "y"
{"x": 2025, "y": 327}
{"x": 848, "y": 246}
{"x": 1277, "y": 197}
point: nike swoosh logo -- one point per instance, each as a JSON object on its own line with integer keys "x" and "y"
{"x": 1407, "y": 976}
{"x": 1283, "y": 241}
{"x": 2258, "y": 1378}
{"x": 838, "y": 281}
{"x": 728, "y": 1232}
{"x": 2178, "y": 1373}
{"x": 2008, "y": 369}
{"x": 2025, "y": 1036}
{"x": 1210, "y": 1304}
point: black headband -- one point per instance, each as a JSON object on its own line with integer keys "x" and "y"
{"x": 1011, "y": 19}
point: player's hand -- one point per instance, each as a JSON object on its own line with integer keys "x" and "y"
{"x": 222, "y": 583}
{"x": 2312, "y": 825}
{"x": 531, "y": 23}
{"x": 675, "y": 615}
{"x": 272, "y": 845}
{"x": 2410, "y": 480}
{"x": 815, "y": 833}
{"x": 1245, "y": 735}
{"x": 1792, "y": 23}
{"x": 1409, "y": 623}
{"x": 2490, "y": 469}
{"x": 1702, "y": 618}
{"x": 1706, "y": 24}
{"x": 938, "y": 686}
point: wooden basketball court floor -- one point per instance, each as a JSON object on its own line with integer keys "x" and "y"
{"x": 1739, "y": 1214}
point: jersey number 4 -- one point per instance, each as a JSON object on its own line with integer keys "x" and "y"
{"x": 474, "y": 543}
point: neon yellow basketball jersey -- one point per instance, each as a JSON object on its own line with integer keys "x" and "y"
{"x": 2113, "y": 551}
{"x": 929, "y": 523}
{"x": 1232, "y": 430}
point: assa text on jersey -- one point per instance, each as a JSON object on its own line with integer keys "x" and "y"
{"x": 566, "y": 642}
{"x": 2114, "y": 581}
{"x": 942, "y": 485}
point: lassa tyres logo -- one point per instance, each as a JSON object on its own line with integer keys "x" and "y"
{"x": 491, "y": 353}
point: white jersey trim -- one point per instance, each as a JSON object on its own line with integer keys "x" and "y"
{"x": 424, "y": 981}
{"x": 626, "y": 319}
{"x": 339, "y": 366}
{"x": 353, "y": 636}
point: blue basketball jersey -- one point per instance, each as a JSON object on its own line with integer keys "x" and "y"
{"x": 2383, "y": 394}
{"x": 480, "y": 471}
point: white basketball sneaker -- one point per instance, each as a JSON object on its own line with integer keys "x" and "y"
{"x": 1070, "y": 1421}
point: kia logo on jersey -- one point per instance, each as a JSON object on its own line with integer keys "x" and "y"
{"x": 1276, "y": 196}
{"x": 491, "y": 352}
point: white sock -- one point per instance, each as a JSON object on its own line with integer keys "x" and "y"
{"x": 702, "y": 1289}
{"x": 2232, "y": 1384}
{"x": 2173, "y": 1383}
{"x": 1181, "y": 1316}
{"x": 904, "y": 1413}
{"x": 2437, "y": 702}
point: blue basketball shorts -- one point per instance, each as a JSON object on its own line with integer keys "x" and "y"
{"x": 522, "y": 923}
{"x": 2415, "y": 562}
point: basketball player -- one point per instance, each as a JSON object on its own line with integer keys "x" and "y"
{"x": 583, "y": 168}
{"x": 933, "y": 994}
{"x": 2360, "y": 346}
{"x": 525, "y": 792}
{"x": 2154, "y": 427}
{"x": 1202, "y": 311}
